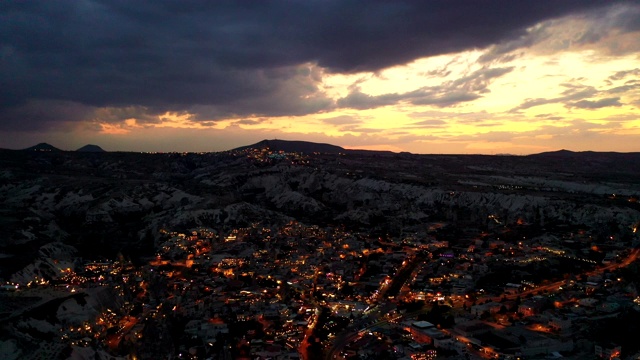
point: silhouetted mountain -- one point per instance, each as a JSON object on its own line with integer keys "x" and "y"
{"x": 91, "y": 148}
{"x": 562, "y": 152}
{"x": 294, "y": 146}
{"x": 584, "y": 154}
{"x": 589, "y": 156}
{"x": 42, "y": 147}
{"x": 591, "y": 162}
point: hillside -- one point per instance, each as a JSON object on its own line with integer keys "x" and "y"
{"x": 294, "y": 146}
{"x": 42, "y": 147}
{"x": 91, "y": 148}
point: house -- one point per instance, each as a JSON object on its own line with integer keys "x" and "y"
{"x": 426, "y": 333}
{"x": 472, "y": 328}
{"x": 490, "y": 307}
{"x": 532, "y": 306}
{"x": 607, "y": 350}
{"x": 560, "y": 324}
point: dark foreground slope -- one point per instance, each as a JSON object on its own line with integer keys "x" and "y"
{"x": 109, "y": 203}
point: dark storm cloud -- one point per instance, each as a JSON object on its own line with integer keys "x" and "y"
{"x": 359, "y": 129}
{"x": 596, "y": 104}
{"x": 573, "y": 93}
{"x": 248, "y": 122}
{"x": 631, "y": 85}
{"x": 619, "y": 75}
{"x": 578, "y": 96}
{"x": 549, "y": 117}
{"x": 44, "y": 114}
{"x": 359, "y": 100}
{"x": 231, "y": 58}
{"x": 464, "y": 89}
{"x": 446, "y": 99}
{"x": 500, "y": 52}
{"x": 342, "y": 120}
{"x": 430, "y": 123}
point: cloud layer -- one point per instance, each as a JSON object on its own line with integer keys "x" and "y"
{"x": 226, "y": 58}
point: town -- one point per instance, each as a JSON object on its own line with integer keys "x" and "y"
{"x": 293, "y": 280}
{"x": 301, "y": 291}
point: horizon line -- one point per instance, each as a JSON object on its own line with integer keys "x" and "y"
{"x": 309, "y": 142}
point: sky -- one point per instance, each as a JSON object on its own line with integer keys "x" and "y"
{"x": 431, "y": 77}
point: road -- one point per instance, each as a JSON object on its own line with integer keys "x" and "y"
{"x": 128, "y": 322}
{"x": 554, "y": 286}
{"x": 372, "y": 319}
{"x": 303, "y": 349}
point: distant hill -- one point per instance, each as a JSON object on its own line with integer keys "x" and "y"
{"x": 595, "y": 162}
{"x": 585, "y": 155}
{"x": 564, "y": 152}
{"x": 294, "y": 146}
{"x": 43, "y": 147}
{"x": 91, "y": 148}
